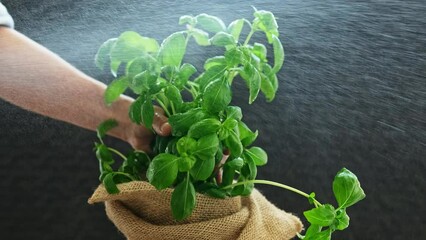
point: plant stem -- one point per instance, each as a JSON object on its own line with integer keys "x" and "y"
{"x": 163, "y": 106}
{"x": 248, "y": 37}
{"x": 280, "y": 185}
{"x": 117, "y": 152}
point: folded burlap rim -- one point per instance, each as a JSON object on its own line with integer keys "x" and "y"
{"x": 140, "y": 211}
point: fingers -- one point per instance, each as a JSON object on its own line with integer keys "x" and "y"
{"x": 160, "y": 124}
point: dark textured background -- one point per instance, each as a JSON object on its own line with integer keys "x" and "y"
{"x": 353, "y": 94}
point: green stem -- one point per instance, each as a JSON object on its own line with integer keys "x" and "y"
{"x": 248, "y": 37}
{"x": 163, "y": 106}
{"x": 117, "y": 152}
{"x": 295, "y": 190}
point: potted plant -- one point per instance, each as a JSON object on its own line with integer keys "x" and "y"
{"x": 199, "y": 182}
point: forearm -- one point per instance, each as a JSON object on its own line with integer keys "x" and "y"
{"x": 34, "y": 78}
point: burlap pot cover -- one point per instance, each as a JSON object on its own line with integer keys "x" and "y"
{"x": 141, "y": 212}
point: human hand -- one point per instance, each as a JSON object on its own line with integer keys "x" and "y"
{"x": 140, "y": 137}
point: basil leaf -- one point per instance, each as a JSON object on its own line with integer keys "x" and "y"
{"x": 217, "y": 96}
{"x": 115, "y": 89}
{"x": 234, "y": 112}
{"x": 260, "y": 51}
{"x": 312, "y": 230}
{"x": 148, "y": 112}
{"x": 186, "y": 163}
{"x": 104, "y": 127}
{"x": 246, "y": 135}
{"x": 174, "y": 96}
{"x": 233, "y": 57}
{"x": 140, "y": 64}
{"x": 252, "y": 77}
{"x": 172, "y": 50}
{"x": 265, "y": 21}
{"x": 222, "y": 39}
{"x": 109, "y": 184}
{"x": 324, "y": 235}
{"x": 201, "y": 37}
{"x": 203, "y": 168}
{"x": 131, "y": 45}
{"x": 187, "y": 19}
{"x": 210, "y": 23}
{"x": 163, "y": 170}
{"x": 207, "y": 147}
{"x": 278, "y": 54}
{"x": 103, "y": 53}
{"x": 181, "y": 122}
{"x": 342, "y": 219}
{"x": 322, "y": 216}
{"x": 215, "y": 61}
{"x": 233, "y": 143}
{"x": 186, "y": 145}
{"x": 185, "y": 72}
{"x": 267, "y": 88}
{"x": 258, "y": 155}
{"x": 135, "y": 110}
{"x": 105, "y": 160}
{"x": 183, "y": 199}
{"x": 212, "y": 73}
{"x": 347, "y": 189}
{"x": 204, "y": 127}
{"x": 235, "y": 28}
{"x": 249, "y": 169}
{"x": 236, "y": 163}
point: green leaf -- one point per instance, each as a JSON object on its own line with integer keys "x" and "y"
{"x": 243, "y": 190}
{"x": 172, "y": 50}
{"x": 173, "y": 94}
{"x": 181, "y": 122}
{"x": 246, "y": 135}
{"x": 236, "y": 163}
{"x": 207, "y": 147}
{"x": 259, "y": 50}
{"x": 342, "y": 219}
{"x": 203, "y": 168}
{"x": 217, "y": 193}
{"x": 131, "y": 45}
{"x": 267, "y": 88}
{"x": 234, "y": 112}
{"x": 186, "y": 163}
{"x": 258, "y": 155}
{"x": 163, "y": 170}
{"x": 185, "y": 72}
{"x": 210, "y": 23}
{"x": 103, "y": 53}
{"x": 201, "y": 37}
{"x": 253, "y": 80}
{"x": 324, "y": 235}
{"x": 323, "y": 216}
{"x": 222, "y": 39}
{"x": 211, "y": 74}
{"x": 312, "y": 230}
{"x": 186, "y": 145}
{"x": 235, "y": 28}
{"x": 249, "y": 170}
{"x": 109, "y": 184}
{"x": 347, "y": 189}
{"x": 278, "y": 54}
{"x": 183, "y": 200}
{"x": 105, "y": 160}
{"x": 114, "y": 65}
{"x": 146, "y": 82}
{"x": 115, "y": 89}
{"x": 148, "y": 112}
{"x": 135, "y": 110}
{"x": 217, "y": 96}
{"x": 215, "y": 61}
{"x": 234, "y": 144}
{"x": 186, "y": 19}
{"x": 233, "y": 57}
{"x": 230, "y": 123}
{"x": 204, "y": 127}
{"x": 265, "y": 21}
{"x": 104, "y": 127}
{"x": 140, "y": 64}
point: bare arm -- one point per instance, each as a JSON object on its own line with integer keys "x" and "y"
{"x": 34, "y": 78}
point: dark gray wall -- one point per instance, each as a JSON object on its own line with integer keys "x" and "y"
{"x": 353, "y": 94}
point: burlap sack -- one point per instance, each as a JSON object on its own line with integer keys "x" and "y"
{"x": 141, "y": 212}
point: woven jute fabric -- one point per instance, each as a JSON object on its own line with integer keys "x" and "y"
{"x": 141, "y": 212}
